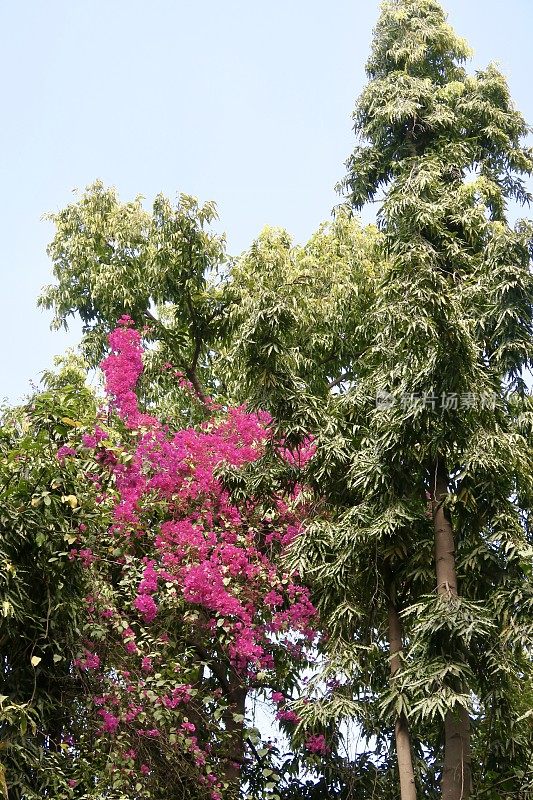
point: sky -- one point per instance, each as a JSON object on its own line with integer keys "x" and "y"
{"x": 244, "y": 102}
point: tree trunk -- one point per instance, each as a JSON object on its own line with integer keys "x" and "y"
{"x": 456, "y": 782}
{"x": 401, "y": 730}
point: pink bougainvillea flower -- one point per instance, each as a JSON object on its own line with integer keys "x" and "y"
{"x": 197, "y": 570}
{"x": 317, "y": 744}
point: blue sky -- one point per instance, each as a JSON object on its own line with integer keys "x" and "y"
{"x": 244, "y": 102}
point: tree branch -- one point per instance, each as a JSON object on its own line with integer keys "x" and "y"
{"x": 189, "y": 371}
{"x": 347, "y": 376}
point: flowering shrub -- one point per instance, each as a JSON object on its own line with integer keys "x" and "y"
{"x": 190, "y": 610}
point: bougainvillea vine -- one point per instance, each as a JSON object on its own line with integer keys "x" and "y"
{"x": 190, "y": 610}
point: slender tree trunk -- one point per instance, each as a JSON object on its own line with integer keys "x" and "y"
{"x": 401, "y": 730}
{"x": 456, "y": 783}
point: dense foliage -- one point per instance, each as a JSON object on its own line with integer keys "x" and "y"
{"x": 42, "y": 590}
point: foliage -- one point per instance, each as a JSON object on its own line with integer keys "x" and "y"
{"x": 434, "y": 372}
{"x": 294, "y": 315}
{"x": 112, "y": 258}
{"x": 41, "y": 589}
{"x": 326, "y": 262}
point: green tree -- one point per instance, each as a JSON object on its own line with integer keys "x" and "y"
{"x": 294, "y": 331}
{"x": 288, "y": 309}
{"x": 41, "y": 589}
{"x": 161, "y": 268}
{"x": 420, "y": 552}
{"x": 454, "y": 317}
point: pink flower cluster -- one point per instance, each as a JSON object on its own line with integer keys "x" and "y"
{"x": 179, "y": 695}
{"x": 65, "y": 452}
{"x": 110, "y": 721}
{"x": 284, "y": 714}
{"x": 206, "y": 547}
{"x": 88, "y": 661}
{"x": 122, "y": 370}
{"x": 144, "y": 602}
{"x": 317, "y": 744}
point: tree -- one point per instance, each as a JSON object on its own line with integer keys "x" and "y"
{"x": 41, "y": 589}
{"x": 294, "y": 319}
{"x": 423, "y": 463}
{"x": 320, "y": 296}
{"x": 189, "y": 613}
{"x": 112, "y": 258}
{"x": 455, "y": 321}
